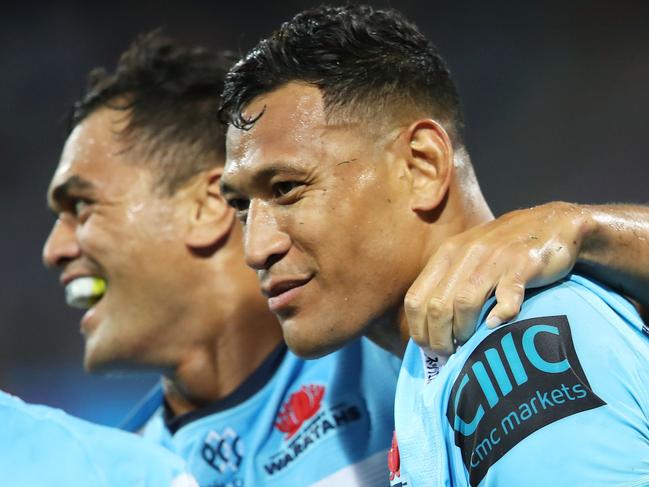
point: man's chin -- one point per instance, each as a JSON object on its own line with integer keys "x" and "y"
{"x": 98, "y": 361}
{"x": 95, "y": 362}
{"x": 117, "y": 366}
{"x": 312, "y": 346}
{"x": 94, "y": 366}
{"x": 95, "y": 358}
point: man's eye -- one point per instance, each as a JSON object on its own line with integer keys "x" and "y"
{"x": 80, "y": 207}
{"x": 282, "y": 188}
{"x": 239, "y": 204}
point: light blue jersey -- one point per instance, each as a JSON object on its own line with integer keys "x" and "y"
{"x": 42, "y": 447}
{"x": 560, "y": 397}
{"x": 324, "y": 422}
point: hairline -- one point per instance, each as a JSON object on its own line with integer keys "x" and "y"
{"x": 142, "y": 144}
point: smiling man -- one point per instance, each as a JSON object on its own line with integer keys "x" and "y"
{"x": 144, "y": 240}
{"x": 347, "y": 166}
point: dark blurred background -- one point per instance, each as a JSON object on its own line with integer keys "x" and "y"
{"x": 555, "y": 94}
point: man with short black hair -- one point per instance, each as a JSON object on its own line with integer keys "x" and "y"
{"x": 346, "y": 164}
{"x": 145, "y": 241}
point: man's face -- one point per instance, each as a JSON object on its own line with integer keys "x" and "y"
{"x": 326, "y": 215}
{"x": 111, "y": 224}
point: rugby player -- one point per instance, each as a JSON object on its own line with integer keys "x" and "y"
{"x": 43, "y": 446}
{"x": 346, "y": 164}
{"x": 145, "y": 241}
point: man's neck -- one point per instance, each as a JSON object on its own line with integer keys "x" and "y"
{"x": 387, "y": 332}
{"x": 212, "y": 371}
{"x": 465, "y": 209}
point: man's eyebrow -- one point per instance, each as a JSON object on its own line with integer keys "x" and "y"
{"x": 74, "y": 183}
{"x": 266, "y": 173}
{"x": 288, "y": 167}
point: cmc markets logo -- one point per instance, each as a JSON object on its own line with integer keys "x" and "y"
{"x": 223, "y": 452}
{"x": 305, "y": 421}
{"x": 521, "y": 378}
{"x": 301, "y": 406}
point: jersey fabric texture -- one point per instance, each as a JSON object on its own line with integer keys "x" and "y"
{"x": 41, "y": 446}
{"x": 294, "y": 422}
{"x": 560, "y": 397}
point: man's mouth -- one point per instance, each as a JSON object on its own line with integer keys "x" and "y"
{"x": 280, "y": 292}
{"x": 85, "y": 291}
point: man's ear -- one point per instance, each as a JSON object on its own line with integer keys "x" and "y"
{"x": 211, "y": 217}
{"x": 430, "y": 163}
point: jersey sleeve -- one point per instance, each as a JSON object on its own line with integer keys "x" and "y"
{"x": 558, "y": 397}
{"x": 126, "y": 459}
{"x": 42, "y": 446}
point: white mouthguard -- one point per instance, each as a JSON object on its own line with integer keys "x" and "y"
{"x": 84, "y": 292}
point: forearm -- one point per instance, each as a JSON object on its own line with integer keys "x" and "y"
{"x": 615, "y": 248}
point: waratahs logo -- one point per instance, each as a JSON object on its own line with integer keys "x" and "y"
{"x": 394, "y": 461}
{"x": 397, "y": 479}
{"x": 305, "y": 418}
{"x": 301, "y": 406}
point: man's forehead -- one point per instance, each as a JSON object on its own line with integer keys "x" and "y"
{"x": 292, "y": 122}
{"x": 90, "y": 149}
{"x": 293, "y": 110}
{"x": 91, "y": 137}
{"x": 75, "y": 151}
{"x": 299, "y": 102}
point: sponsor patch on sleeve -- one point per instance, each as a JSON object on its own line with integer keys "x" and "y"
{"x": 521, "y": 378}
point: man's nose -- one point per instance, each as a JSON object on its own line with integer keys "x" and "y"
{"x": 265, "y": 242}
{"x": 61, "y": 245}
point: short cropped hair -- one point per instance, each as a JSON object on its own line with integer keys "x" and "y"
{"x": 170, "y": 96}
{"x": 365, "y": 62}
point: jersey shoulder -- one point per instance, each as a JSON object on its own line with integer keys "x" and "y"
{"x": 45, "y": 446}
{"x": 575, "y": 356}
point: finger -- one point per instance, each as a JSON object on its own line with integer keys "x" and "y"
{"x": 415, "y": 302}
{"x": 439, "y": 319}
{"x": 415, "y": 310}
{"x": 470, "y": 300}
{"x": 441, "y": 301}
{"x": 510, "y": 293}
